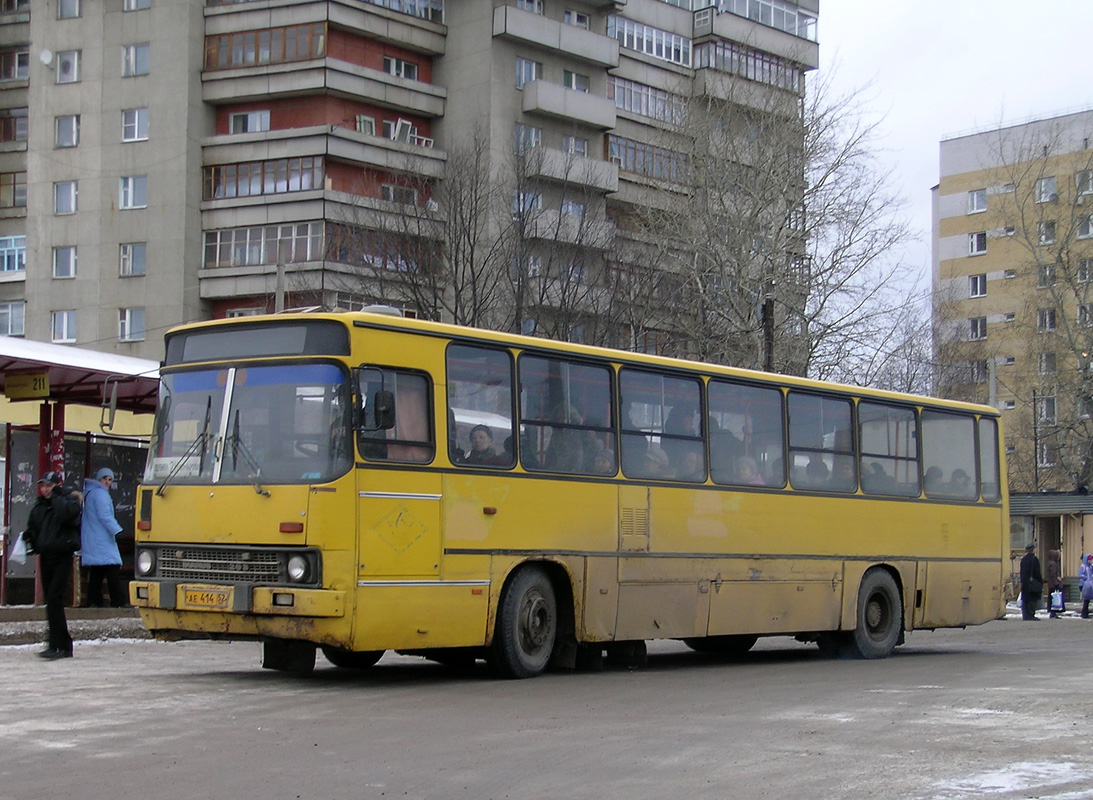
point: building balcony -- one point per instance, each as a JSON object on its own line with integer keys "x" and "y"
{"x": 587, "y": 231}
{"x": 759, "y": 37}
{"x": 373, "y": 20}
{"x": 720, "y": 85}
{"x": 580, "y": 108}
{"x": 574, "y": 42}
{"x": 555, "y": 165}
{"x": 341, "y": 144}
{"x": 322, "y": 76}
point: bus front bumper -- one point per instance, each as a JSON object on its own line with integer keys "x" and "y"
{"x": 272, "y": 600}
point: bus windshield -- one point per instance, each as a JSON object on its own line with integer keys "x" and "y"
{"x": 283, "y": 424}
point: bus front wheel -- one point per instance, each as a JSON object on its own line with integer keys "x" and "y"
{"x": 348, "y": 659}
{"x": 880, "y": 615}
{"x": 527, "y": 625}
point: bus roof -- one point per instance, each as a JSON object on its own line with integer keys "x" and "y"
{"x": 362, "y": 319}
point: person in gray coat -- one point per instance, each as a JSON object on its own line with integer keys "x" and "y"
{"x": 99, "y": 545}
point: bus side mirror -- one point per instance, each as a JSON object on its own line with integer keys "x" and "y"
{"x": 383, "y": 410}
{"x": 109, "y": 406}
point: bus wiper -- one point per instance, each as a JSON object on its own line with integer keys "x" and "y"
{"x": 238, "y": 447}
{"x": 201, "y": 441}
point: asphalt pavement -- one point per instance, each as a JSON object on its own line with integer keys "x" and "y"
{"x": 27, "y": 624}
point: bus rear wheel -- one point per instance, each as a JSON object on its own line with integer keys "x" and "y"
{"x": 527, "y": 625}
{"x": 880, "y": 615}
{"x": 724, "y": 646}
{"x": 348, "y": 659}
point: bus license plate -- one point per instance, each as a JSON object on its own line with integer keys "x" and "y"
{"x": 212, "y": 600}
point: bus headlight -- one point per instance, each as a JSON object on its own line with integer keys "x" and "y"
{"x": 298, "y": 569}
{"x": 146, "y": 562}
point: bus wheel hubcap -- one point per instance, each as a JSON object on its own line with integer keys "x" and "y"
{"x": 534, "y": 622}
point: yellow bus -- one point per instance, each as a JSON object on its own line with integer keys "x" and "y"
{"x": 360, "y": 482}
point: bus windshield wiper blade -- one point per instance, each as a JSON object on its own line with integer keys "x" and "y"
{"x": 201, "y": 441}
{"x": 238, "y": 447}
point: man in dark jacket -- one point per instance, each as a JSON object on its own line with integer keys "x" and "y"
{"x": 53, "y": 531}
{"x": 1032, "y": 583}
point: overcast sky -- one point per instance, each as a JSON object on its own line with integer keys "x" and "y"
{"x": 944, "y": 67}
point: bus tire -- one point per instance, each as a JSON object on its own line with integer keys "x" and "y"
{"x": 287, "y": 655}
{"x": 348, "y": 659}
{"x": 880, "y": 615}
{"x": 724, "y": 646}
{"x": 527, "y": 625}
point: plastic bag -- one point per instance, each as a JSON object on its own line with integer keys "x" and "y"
{"x": 18, "y": 552}
{"x": 1057, "y": 600}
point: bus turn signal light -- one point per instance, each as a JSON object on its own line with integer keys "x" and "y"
{"x": 292, "y": 527}
{"x": 144, "y": 525}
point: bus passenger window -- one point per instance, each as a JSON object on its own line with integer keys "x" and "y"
{"x": 949, "y": 455}
{"x": 746, "y": 435}
{"x": 821, "y": 446}
{"x": 411, "y": 438}
{"x": 566, "y": 415}
{"x": 662, "y": 427}
{"x": 988, "y": 459}
{"x": 480, "y": 407}
{"x": 889, "y": 449}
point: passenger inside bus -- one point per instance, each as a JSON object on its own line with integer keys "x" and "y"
{"x": 482, "y": 451}
{"x": 746, "y": 471}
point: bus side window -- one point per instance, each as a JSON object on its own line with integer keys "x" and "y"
{"x": 988, "y": 459}
{"x": 889, "y": 449}
{"x": 746, "y": 435}
{"x": 821, "y": 446}
{"x": 662, "y": 427}
{"x": 480, "y": 407}
{"x": 948, "y": 455}
{"x": 566, "y": 413}
{"x": 410, "y": 439}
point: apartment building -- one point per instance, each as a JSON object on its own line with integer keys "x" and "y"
{"x": 171, "y": 160}
{"x": 1012, "y": 270}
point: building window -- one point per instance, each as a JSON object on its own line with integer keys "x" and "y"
{"x": 1009, "y": 316}
{"x": 63, "y": 324}
{"x": 266, "y": 46}
{"x": 13, "y": 124}
{"x": 65, "y": 197}
{"x": 977, "y": 328}
{"x": 249, "y": 121}
{"x": 979, "y": 371}
{"x": 526, "y": 137}
{"x": 400, "y": 68}
{"x": 133, "y": 192}
{"x": 572, "y": 208}
{"x": 977, "y": 201}
{"x": 244, "y": 247}
{"x": 1007, "y": 405}
{"x": 12, "y": 6}
{"x": 646, "y": 159}
{"x": 527, "y": 71}
{"x": 1084, "y": 180}
{"x": 534, "y": 6}
{"x": 66, "y": 131}
{"x": 366, "y": 124}
{"x": 575, "y": 81}
{"x": 1085, "y": 269}
{"x": 136, "y": 5}
{"x": 651, "y": 41}
{"x": 13, "y": 190}
{"x": 778, "y": 14}
{"x": 1045, "y": 276}
{"x": 577, "y": 19}
{"x": 132, "y": 259}
{"x": 525, "y": 202}
{"x": 64, "y": 261}
{"x": 754, "y": 65}
{"x": 1045, "y": 190}
{"x": 977, "y": 285}
{"x": 134, "y": 125}
{"x": 14, "y": 65}
{"x": 251, "y": 179}
{"x": 977, "y": 243}
{"x": 12, "y": 318}
{"x": 1045, "y": 320}
{"x": 1045, "y": 232}
{"x": 68, "y": 9}
{"x": 1009, "y": 273}
{"x": 574, "y": 146}
{"x": 1045, "y": 408}
{"x": 1045, "y": 454}
{"x": 13, "y": 254}
{"x": 1085, "y": 315}
{"x": 1085, "y": 227}
{"x": 393, "y": 193}
{"x": 135, "y": 60}
{"x": 648, "y": 101}
{"x": 131, "y": 325}
{"x": 1045, "y": 364}
{"x": 68, "y": 66}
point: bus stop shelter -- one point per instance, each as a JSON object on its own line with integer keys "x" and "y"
{"x": 51, "y": 378}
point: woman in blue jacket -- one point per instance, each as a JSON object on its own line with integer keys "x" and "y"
{"x": 99, "y": 547}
